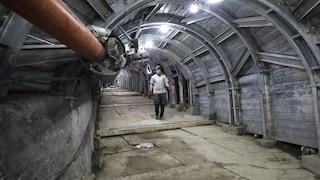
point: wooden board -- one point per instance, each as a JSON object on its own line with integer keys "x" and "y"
{"x": 150, "y": 128}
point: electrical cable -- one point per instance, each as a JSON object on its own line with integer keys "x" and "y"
{"x": 61, "y": 172}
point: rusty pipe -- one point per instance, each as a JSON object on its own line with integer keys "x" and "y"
{"x": 55, "y": 18}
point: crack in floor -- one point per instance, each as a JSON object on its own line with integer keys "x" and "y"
{"x": 208, "y": 140}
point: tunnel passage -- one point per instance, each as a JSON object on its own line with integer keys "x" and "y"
{"x": 252, "y": 69}
{"x": 251, "y": 64}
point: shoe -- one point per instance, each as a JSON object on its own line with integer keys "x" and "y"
{"x": 161, "y": 118}
{"x": 156, "y": 117}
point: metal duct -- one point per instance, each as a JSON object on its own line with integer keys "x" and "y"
{"x": 55, "y": 18}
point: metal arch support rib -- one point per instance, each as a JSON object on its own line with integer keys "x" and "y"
{"x": 305, "y": 48}
{"x": 201, "y": 35}
{"x": 54, "y": 17}
{"x": 225, "y": 60}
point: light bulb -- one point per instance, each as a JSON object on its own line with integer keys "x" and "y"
{"x": 194, "y": 8}
{"x": 164, "y": 28}
{"x": 149, "y": 44}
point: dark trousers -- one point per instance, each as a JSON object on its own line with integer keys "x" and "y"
{"x": 160, "y": 101}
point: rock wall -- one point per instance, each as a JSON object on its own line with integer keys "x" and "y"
{"x": 43, "y": 135}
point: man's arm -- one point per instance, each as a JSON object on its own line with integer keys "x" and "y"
{"x": 167, "y": 83}
{"x": 169, "y": 86}
{"x": 151, "y": 86}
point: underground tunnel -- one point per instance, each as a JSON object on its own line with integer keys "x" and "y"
{"x": 75, "y": 81}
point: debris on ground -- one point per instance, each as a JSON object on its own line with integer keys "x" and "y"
{"x": 144, "y": 145}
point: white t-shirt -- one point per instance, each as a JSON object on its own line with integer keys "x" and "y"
{"x": 159, "y": 83}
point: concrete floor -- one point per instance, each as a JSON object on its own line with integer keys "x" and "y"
{"x": 124, "y": 112}
{"x": 200, "y": 152}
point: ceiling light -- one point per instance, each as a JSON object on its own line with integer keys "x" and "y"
{"x": 164, "y": 28}
{"x": 214, "y": 1}
{"x": 194, "y": 8}
{"x": 149, "y": 44}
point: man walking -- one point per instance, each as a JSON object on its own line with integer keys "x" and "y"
{"x": 158, "y": 84}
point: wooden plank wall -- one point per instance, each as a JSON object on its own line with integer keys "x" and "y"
{"x": 292, "y": 107}
{"x": 290, "y": 91}
{"x": 250, "y": 103}
{"x": 234, "y": 47}
{"x": 221, "y": 102}
{"x": 196, "y": 71}
{"x": 204, "y": 100}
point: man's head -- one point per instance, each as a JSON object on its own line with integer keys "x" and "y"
{"x": 158, "y": 70}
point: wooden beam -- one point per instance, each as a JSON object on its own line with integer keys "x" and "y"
{"x": 56, "y": 46}
{"x": 100, "y": 7}
{"x": 125, "y": 33}
{"x": 153, "y": 12}
{"x": 227, "y": 33}
{"x": 196, "y": 18}
{"x": 151, "y": 128}
{"x": 304, "y": 8}
{"x": 217, "y": 79}
{"x": 243, "y": 59}
{"x": 201, "y": 83}
{"x": 256, "y": 21}
{"x": 278, "y": 55}
{"x": 125, "y": 105}
{"x": 281, "y": 63}
{"x": 139, "y": 29}
{"x": 169, "y": 37}
{"x": 249, "y": 19}
{"x": 280, "y": 59}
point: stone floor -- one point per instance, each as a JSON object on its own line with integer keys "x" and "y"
{"x": 200, "y": 152}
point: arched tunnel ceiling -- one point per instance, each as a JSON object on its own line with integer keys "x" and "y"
{"x": 225, "y": 30}
{"x": 223, "y": 40}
